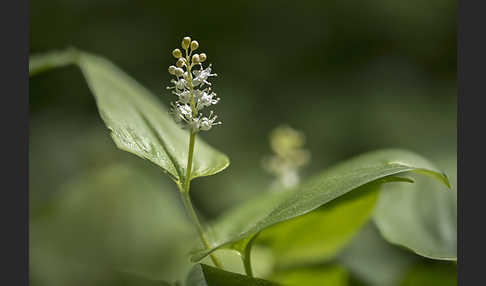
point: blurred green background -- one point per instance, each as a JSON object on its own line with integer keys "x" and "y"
{"x": 354, "y": 76}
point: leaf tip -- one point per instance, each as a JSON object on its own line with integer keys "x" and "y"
{"x": 446, "y": 181}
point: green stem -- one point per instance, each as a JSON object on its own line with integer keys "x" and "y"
{"x": 192, "y": 140}
{"x": 187, "y": 182}
{"x": 187, "y": 201}
{"x": 192, "y": 213}
{"x": 244, "y": 249}
{"x": 246, "y": 256}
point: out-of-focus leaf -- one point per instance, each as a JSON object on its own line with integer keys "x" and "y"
{"x": 53, "y": 268}
{"x": 127, "y": 279}
{"x": 60, "y": 150}
{"x": 422, "y": 217}
{"x": 328, "y": 274}
{"x": 44, "y": 62}
{"x": 373, "y": 260}
{"x": 431, "y": 274}
{"x": 245, "y": 222}
{"x": 319, "y": 235}
{"x": 138, "y": 122}
{"x": 205, "y": 275}
{"x": 115, "y": 217}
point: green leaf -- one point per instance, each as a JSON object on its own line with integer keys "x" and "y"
{"x": 322, "y": 233}
{"x": 116, "y": 217}
{"x": 138, "y": 122}
{"x": 422, "y": 218}
{"x": 273, "y": 208}
{"x": 327, "y": 274}
{"x": 373, "y": 260}
{"x": 128, "y": 279}
{"x": 55, "y": 59}
{"x": 261, "y": 257}
{"x": 431, "y": 274}
{"x": 205, "y": 275}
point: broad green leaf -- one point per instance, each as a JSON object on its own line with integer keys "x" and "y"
{"x": 431, "y": 274}
{"x": 422, "y": 217}
{"x": 138, "y": 122}
{"x": 327, "y": 274}
{"x": 272, "y": 208}
{"x": 319, "y": 235}
{"x": 373, "y": 260}
{"x": 205, "y": 275}
{"x": 114, "y": 217}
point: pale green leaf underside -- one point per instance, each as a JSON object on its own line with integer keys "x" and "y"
{"x": 422, "y": 218}
{"x": 272, "y": 208}
{"x": 139, "y": 123}
{"x": 205, "y": 275}
{"x": 373, "y": 260}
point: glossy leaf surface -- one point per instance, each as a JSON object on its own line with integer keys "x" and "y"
{"x": 270, "y": 209}
{"x": 138, "y": 122}
{"x": 319, "y": 235}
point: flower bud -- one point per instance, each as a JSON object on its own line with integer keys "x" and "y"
{"x": 195, "y": 59}
{"x": 180, "y": 62}
{"x": 179, "y": 72}
{"x": 177, "y": 53}
{"x": 194, "y": 45}
{"x": 172, "y": 70}
{"x": 186, "y": 42}
{"x": 202, "y": 57}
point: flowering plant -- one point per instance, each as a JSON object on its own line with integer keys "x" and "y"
{"x": 295, "y": 221}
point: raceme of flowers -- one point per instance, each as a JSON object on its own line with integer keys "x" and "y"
{"x": 192, "y": 88}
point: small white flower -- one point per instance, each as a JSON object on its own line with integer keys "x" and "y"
{"x": 184, "y": 97}
{"x": 206, "y": 123}
{"x": 181, "y": 84}
{"x": 201, "y": 76}
{"x": 176, "y": 113}
{"x": 205, "y": 99}
{"x": 185, "y": 110}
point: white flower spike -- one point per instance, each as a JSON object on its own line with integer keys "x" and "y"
{"x": 192, "y": 88}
